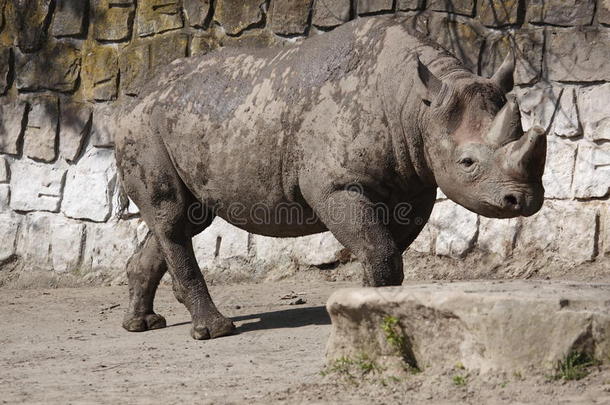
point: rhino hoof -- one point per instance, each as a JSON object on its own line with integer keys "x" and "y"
{"x": 143, "y": 323}
{"x": 221, "y": 327}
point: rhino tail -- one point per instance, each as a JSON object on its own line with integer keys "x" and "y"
{"x": 122, "y": 198}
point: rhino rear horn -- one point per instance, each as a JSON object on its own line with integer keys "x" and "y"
{"x": 506, "y": 126}
{"x": 504, "y": 75}
{"x": 428, "y": 86}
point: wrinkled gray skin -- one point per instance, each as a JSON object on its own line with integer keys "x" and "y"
{"x": 370, "y": 113}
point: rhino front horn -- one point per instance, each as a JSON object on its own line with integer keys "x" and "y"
{"x": 525, "y": 158}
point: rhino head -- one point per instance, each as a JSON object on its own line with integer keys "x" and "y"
{"x": 475, "y": 145}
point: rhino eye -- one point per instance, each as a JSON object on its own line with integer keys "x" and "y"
{"x": 467, "y": 162}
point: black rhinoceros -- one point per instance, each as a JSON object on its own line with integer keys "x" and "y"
{"x": 370, "y": 115}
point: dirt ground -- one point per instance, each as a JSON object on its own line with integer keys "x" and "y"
{"x": 66, "y": 346}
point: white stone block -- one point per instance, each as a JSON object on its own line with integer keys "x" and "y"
{"x": 456, "y": 229}
{"x": 564, "y": 229}
{"x": 109, "y": 246}
{"x": 566, "y": 122}
{"x": 90, "y": 185}
{"x": 424, "y": 241}
{"x": 537, "y": 105}
{"x": 67, "y": 240}
{"x": 36, "y": 186}
{"x": 497, "y": 235}
{"x": 9, "y": 229}
{"x": 11, "y": 119}
{"x": 592, "y": 170}
{"x": 41, "y": 129}
{"x": 34, "y": 245}
{"x": 559, "y": 169}
{"x": 220, "y": 241}
{"x": 5, "y": 197}
{"x": 595, "y": 112}
{"x": 4, "y": 170}
{"x": 313, "y": 250}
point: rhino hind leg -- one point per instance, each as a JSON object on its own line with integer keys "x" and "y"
{"x": 152, "y": 182}
{"x": 144, "y": 272}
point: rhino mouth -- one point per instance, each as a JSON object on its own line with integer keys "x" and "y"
{"x": 512, "y": 204}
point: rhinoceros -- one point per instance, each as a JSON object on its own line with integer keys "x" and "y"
{"x": 356, "y": 129}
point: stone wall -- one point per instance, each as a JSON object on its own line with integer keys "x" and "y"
{"x": 63, "y": 63}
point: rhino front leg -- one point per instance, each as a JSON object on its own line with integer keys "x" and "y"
{"x": 359, "y": 225}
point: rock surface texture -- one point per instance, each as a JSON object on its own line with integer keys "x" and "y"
{"x": 65, "y": 65}
{"x": 480, "y": 325}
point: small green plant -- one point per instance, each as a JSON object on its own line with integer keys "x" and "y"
{"x": 352, "y": 368}
{"x": 393, "y": 334}
{"x": 574, "y": 367}
{"x": 459, "y": 380}
{"x": 398, "y": 341}
{"x": 504, "y": 384}
{"x": 459, "y": 366}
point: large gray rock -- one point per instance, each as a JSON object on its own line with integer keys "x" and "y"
{"x": 424, "y": 241}
{"x": 498, "y": 235}
{"x": 514, "y": 326}
{"x": 69, "y": 18}
{"x": 11, "y": 126}
{"x": 156, "y": 16}
{"x": 331, "y": 13}
{"x": 455, "y": 227}
{"x": 563, "y": 229}
{"x": 237, "y": 15}
{"x": 289, "y": 17}
{"x": 592, "y": 171}
{"x": 559, "y": 170}
{"x": 594, "y": 112}
{"x": 36, "y": 186}
{"x": 561, "y": 12}
{"x": 9, "y": 229}
{"x": 40, "y": 135}
{"x": 56, "y": 67}
{"x": 74, "y": 127}
{"x": 578, "y": 54}
{"x": 113, "y": 19}
{"x": 89, "y": 186}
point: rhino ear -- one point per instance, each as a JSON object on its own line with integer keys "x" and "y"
{"x": 428, "y": 86}
{"x": 504, "y": 75}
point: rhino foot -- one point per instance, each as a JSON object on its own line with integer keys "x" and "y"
{"x": 217, "y": 327}
{"x": 141, "y": 323}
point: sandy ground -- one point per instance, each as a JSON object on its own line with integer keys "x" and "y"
{"x": 66, "y": 346}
